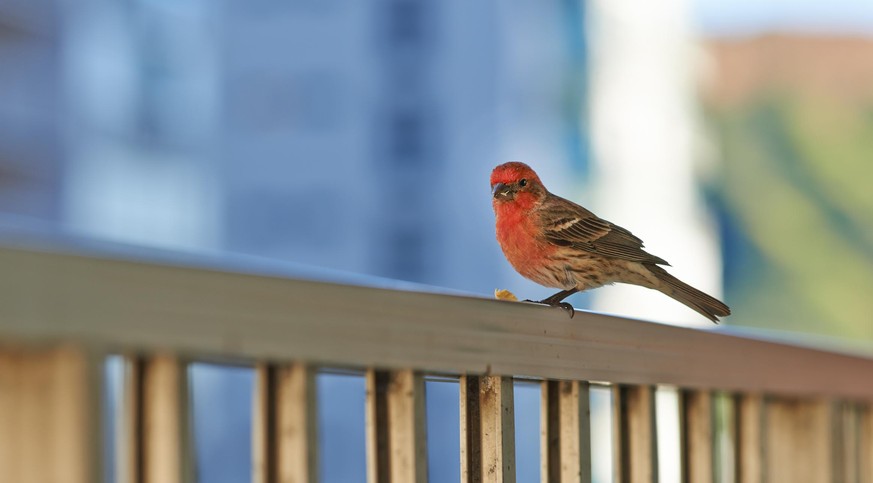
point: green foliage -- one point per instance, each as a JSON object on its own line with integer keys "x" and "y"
{"x": 797, "y": 186}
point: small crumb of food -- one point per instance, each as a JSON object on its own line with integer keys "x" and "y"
{"x": 502, "y": 294}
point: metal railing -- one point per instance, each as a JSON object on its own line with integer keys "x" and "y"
{"x": 799, "y": 414}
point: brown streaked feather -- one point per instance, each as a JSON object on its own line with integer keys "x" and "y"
{"x": 567, "y": 224}
{"x": 707, "y": 305}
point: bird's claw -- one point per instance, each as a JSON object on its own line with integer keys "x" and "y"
{"x": 564, "y": 305}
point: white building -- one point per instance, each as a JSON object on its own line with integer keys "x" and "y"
{"x": 356, "y": 135}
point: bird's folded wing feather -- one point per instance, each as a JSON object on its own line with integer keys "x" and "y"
{"x": 570, "y": 225}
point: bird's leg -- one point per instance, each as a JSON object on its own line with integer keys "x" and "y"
{"x": 556, "y": 300}
{"x": 558, "y": 297}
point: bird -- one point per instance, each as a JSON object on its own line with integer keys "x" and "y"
{"x": 559, "y": 244}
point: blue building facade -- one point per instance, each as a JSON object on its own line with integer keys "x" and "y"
{"x": 353, "y": 135}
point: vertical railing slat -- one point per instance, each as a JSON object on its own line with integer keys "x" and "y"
{"x": 129, "y": 442}
{"x": 576, "y": 432}
{"x": 471, "y": 429}
{"x": 750, "y": 431}
{"x": 396, "y": 427}
{"x": 298, "y": 423}
{"x": 408, "y": 437}
{"x": 550, "y": 432}
{"x": 497, "y": 412}
{"x": 697, "y": 436}
{"x": 845, "y": 448}
{"x": 158, "y": 443}
{"x": 49, "y": 420}
{"x": 168, "y": 455}
{"x": 487, "y": 429}
{"x": 264, "y": 425}
{"x": 865, "y": 442}
{"x": 566, "y": 432}
{"x": 635, "y": 451}
{"x": 378, "y": 449}
{"x": 285, "y": 444}
{"x": 799, "y": 440}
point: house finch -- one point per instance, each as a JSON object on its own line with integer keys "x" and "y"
{"x": 557, "y": 243}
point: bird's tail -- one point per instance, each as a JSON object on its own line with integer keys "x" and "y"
{"x": 706, "y": 305}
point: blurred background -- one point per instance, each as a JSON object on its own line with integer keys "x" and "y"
{"x": 734, "y": 137}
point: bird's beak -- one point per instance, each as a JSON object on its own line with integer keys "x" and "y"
{"x": 499, "y": 190}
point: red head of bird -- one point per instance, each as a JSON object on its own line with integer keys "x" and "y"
{"x": 515, "y": 186}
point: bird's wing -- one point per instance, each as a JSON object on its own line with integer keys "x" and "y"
{"x": 570, "y": 225}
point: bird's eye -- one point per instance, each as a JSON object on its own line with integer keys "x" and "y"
{"x": 522, "y": 183}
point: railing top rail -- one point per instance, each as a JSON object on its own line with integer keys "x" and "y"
{"x": 227, "y": 315}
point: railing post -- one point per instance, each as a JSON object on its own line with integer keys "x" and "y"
{"x": 635, "y": 451}
{"x": 865, "y": 442}
{"x": 750, "y": 434}
{"x": 845, "y": 450}
{"x": 49, "y": 422}
{"x": 497, "y": 406}
{"x": 396, "y": 427}
{"x": 471, "y": 429}
{"x": 799, "y": 441}
{"x": 487, "y": 429}
{"x": 157, "y": 442}
{"x": 566, "y": 432}
{"x": 697, "y": 420}
{"x": 285, "y": 444}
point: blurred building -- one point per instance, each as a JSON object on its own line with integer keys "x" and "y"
{"x": 379, "y": 141}
{"x": 31, "y": 159}
{"x": 646, "y": 143}
{"x": 745, "y": 70}
{"x": 790, "y": 116}
{"x": 140, "y": 114}
{"x": 352, "y": 135}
